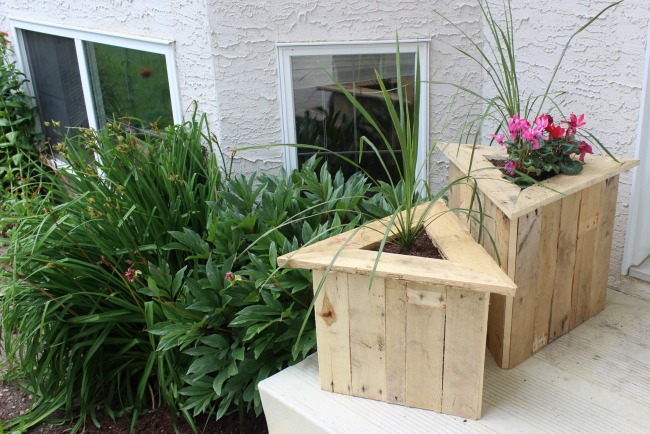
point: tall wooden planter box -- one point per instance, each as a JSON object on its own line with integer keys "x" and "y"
{"x": 417, "y": 336}
{"x": 553, "y": 242}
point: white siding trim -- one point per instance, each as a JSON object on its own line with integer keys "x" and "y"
{"x": 634, "y": 251}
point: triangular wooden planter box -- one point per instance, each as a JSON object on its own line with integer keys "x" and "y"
{"x": 553, "y": 242}
{"x": 417, "y": 337}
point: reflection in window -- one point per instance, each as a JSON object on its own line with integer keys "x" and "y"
{"x": 129, "y": 83}
{"x": 324, "y": 116}
{"x": 117, "y": 82}
{"x": 56, "y": 80}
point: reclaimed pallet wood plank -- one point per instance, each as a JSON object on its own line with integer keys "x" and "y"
{"x": 333, "y": 331}
{"x": 465, "y": 332}
{"x": 425, "y": 343}
{"x": 529, "y": 234}
{"x": 367, "y": 336}
{"x": 604, "y": 236}
{"x": 566, "y": 258}
{"x": 548, "y": 260}
{"x": 585, "y": 248}
{"x": 396, "y": 341}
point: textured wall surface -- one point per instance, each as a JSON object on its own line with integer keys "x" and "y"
{"x": 227, "y": 60}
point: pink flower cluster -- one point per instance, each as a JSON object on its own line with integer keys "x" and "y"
{"x": 532, "y": 133}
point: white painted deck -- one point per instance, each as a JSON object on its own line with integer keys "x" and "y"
{"x": 596, "y": 379}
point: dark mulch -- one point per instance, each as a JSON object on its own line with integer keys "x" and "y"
{"x": 14, "y": 402}
{"x": 423, "y": 247}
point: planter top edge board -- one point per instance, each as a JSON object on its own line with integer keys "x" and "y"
{"x": 515, "y": 202}
{"x": 467, "y": 264}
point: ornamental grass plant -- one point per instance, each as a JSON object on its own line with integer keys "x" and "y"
{"x": 524, "y": 120}
{"x": 74, "y": 318}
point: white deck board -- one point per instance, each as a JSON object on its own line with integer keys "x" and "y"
{"x": 596, "y": 379}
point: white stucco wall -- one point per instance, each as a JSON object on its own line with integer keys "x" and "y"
{"x": 227, "y": 60}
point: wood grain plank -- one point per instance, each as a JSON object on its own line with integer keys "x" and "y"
{"x": 425, "y": 335}
{"x": 496, "y": 334}
{"x": 396, "y": 341}
{"x": 409, "y": 268}
{"x": 607, "y": 215}
{"x": 597, "y": 169}
{"x": 464, "y": 358}
{"x": 526, "y": 274}
{"x": 566, "y": 258}
{"x": 586, "y": 247}
{"x": 333, "y": 332}
{"x": 548, "y": 260}
{"x": 367, "y": 337}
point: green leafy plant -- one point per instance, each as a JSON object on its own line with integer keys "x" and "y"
{"x": 241, "y": 318}
{"x": 19, "y": 140}
{"x": 74, "y": 316}
{"x": 533, "y": 149}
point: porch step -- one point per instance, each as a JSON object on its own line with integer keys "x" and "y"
{"x": 593, "y": 380}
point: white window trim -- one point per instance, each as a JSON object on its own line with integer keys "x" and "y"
{"x": 80, "y": 35}
{"x": 287, "y": 50}
{"x": 634, "y": 251}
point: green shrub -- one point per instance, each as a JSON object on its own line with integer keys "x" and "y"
{"x": 149, "y": 278}
{"x": 19, "y": 141}
{"x": 241, "y": 316}
{"x": 74, "y": 319}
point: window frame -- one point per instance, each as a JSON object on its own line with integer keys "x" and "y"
{"x": 81, "y": 35}
{"x": 285, "y": 51}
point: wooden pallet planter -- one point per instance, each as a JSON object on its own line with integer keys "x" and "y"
{"x": 417, "y": 336}
{"x": 553, "y": 242}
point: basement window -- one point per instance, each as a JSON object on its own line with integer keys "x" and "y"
{"x": 85, "y": 79}
{"x": 316, "y": 112}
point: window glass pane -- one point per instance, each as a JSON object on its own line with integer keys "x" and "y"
{"x": 56, "y": 80}
{"x": 324, "y": 116}
{"x": 129, "y": 83}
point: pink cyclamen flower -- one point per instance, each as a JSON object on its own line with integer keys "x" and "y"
{"x": 574, "y": 122}
{"x": 514, "y": 126}
{"x": 584, "y": 148}
{"x": 509, "y": 168}
{"x": 499, "y": 139}
{"x": 542, "y": 122}
{"x": 531, "y": 134}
